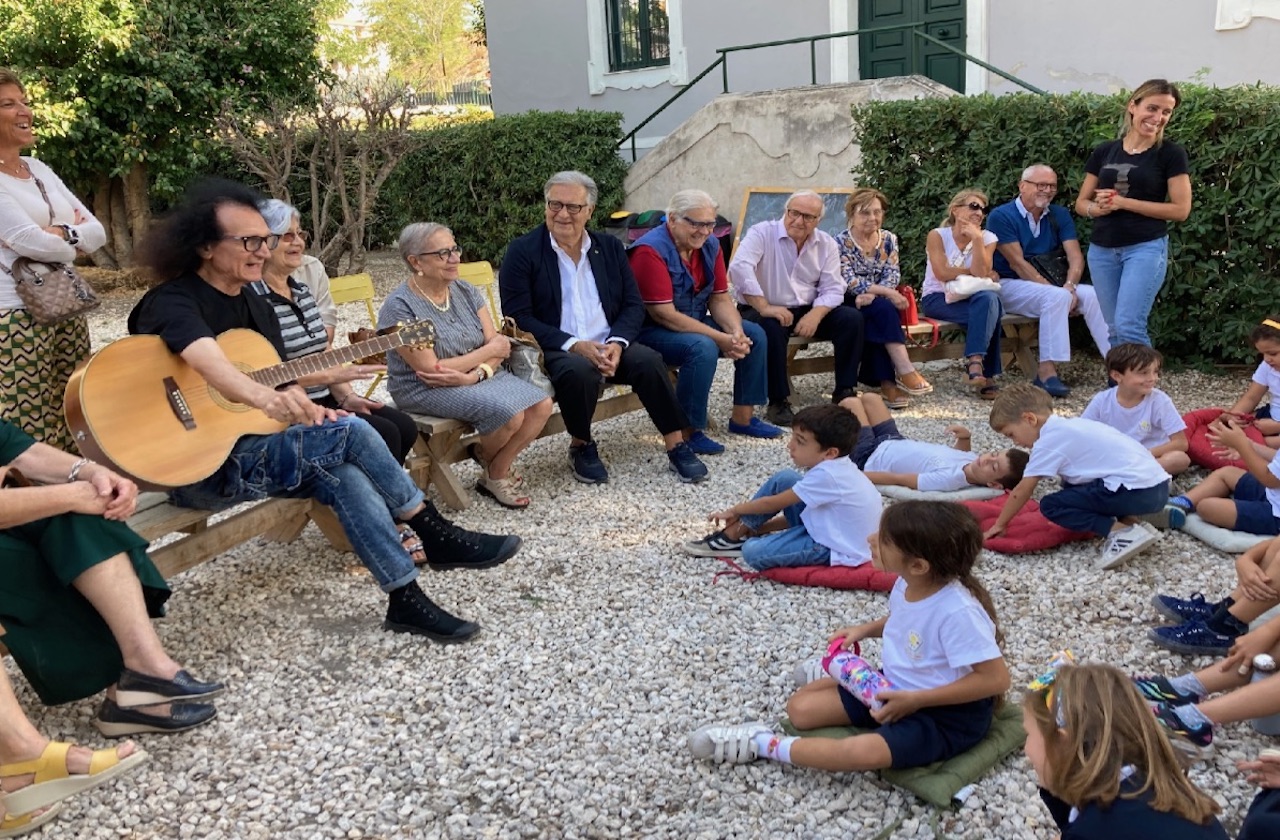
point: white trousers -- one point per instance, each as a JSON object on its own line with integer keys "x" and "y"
{"x": 1052, "y": 305}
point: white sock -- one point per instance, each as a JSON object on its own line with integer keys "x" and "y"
{"x": 773, "y": 746}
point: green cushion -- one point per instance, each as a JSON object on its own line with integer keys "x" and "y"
{"x": 938, "y": 783}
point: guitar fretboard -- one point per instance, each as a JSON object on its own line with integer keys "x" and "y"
{"x": 287, "y": 372}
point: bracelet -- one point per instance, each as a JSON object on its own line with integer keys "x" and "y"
{"x": 486, "y": 372}
{"x": 343, "y": 403}
{"x": 76, "y": 468}
{"x": 1088, "y": 208}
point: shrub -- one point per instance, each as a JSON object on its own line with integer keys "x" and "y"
{"x": 1222, "y": 261}
{"x": 484, "y": 179}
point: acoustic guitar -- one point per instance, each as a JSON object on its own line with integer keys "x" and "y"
{"x": 143, "y": 410}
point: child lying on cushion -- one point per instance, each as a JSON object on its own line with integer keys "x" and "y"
{"x": 889, "y": 458}
{"x": 1108, "y": 480}
{"x": 940, "y": 653}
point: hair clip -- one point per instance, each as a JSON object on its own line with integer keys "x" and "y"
{"x": 1046, "y": 682}
{"x": 1267, "y": 322}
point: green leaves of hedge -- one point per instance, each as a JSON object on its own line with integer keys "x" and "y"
{"x": 1223, "y": 260}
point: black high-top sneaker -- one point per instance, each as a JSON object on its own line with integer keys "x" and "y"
{"x": 411, "y": 611}
{"x": 451, "y": 547}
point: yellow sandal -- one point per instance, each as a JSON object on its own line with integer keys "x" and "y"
{"x": 53, "y": 783}
{"x": 15, "y": 825}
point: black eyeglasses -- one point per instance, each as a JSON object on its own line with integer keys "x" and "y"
{"x": 1043, "y": 187}
{"x": 253, "y": 243}
{"x": 973, "y": 205}
{"x": 574, "y": 209}
{"x": 443, "y": 253}
{"x": 808, "y": 217}
{"x": 697, "y": 225}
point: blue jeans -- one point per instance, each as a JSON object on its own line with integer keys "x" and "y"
{"x": 1127, "y": 280}
{"x": 1094, "y": 509}
{"x": 791, "y": 547}
{"x": 343, "y": 464}
{"x": 696, "y": 357}
{"x": 980, "y": 314}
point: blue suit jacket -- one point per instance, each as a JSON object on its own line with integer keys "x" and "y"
{"x": 529, "y": 284}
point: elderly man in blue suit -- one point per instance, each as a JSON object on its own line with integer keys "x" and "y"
{"x": 575, "y": 292}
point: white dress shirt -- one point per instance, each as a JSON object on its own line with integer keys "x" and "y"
{"x": 581, "y": 313}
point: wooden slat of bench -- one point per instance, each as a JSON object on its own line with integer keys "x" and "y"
{"x": 283, "y": 517}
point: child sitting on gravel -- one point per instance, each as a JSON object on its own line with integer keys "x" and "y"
{"x": 1210, "y": 629}
{"x": 941, "y": 655}
{"x": 889, "y": 458}
{"x": 1240, "y": 500}
{"x": 1108, "y": 479}
{"x": 1104, "y": 767}
{"x": 824, "y": 516}
{"x": 1136, "y": 407}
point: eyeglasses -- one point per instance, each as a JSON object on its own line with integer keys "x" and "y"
{"x": 574, "y": 209}
{"x": 443, "y": 253}
{"x": 1051, "y": 187}
{"x": 796, "y": 214}
{"x": 253, "y": 243}
{"x": 697, "y": 225}
{"x": 299, "y": 236}
{"x": 973, "y": 205}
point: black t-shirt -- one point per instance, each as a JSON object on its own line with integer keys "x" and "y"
{"x": 186, "y": 309}
{"x": 1144, "y": 176}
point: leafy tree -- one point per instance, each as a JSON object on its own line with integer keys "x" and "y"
{"x": 126, "y": 91}
{"x": 426, "y": 40}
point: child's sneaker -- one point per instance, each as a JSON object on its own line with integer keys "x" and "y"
{"x": 1200, "y": 738}
{"x": 1196, "y": 638}
{"x": 808, "y": 671}
{"x": 1184, "y": 609}
{"x": 730, "y": 743}
{"x": 715, "y": 545}
{"x": 1160, "y": 690}
{"x": 1170, "y": 516}
{"x": 1126, "y": 544}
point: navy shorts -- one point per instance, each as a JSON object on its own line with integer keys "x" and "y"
{"x": 870, "y": 437}
{"x": 1262, "y": 412}
{"x": 932, "y": 734}
{"x": 1254, "y": 514}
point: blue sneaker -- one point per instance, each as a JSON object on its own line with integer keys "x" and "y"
{"x": 1160, "y": 690}
{"x": 757, "y": 428}
{"x": 587, "y": 466}
{"x": 1195, "y": 638}
{"x": 1054, "y": 386}
{"x": 1200, "y": 737}
{"x": 1184, "y": 609}
{"x": 685, "y": 464}
{"x": 703, "y": 445}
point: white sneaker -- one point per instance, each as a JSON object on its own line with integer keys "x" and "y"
{"x": 727, "y": 742}
{"x": 1127, "y": 543}
{"x": 808, "y": 671}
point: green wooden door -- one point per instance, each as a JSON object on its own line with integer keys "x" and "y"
{"x": 901, "y": 53}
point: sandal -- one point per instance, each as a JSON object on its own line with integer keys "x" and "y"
{"x": 989, "y": 391}
{"x": 913, "y": 383}
{"x": 893, "y": 398}
{"x": 14, "y": 825}
{"x": 473, "y": 452}
{"x": 54, "y": 783}
{"x": 413, "y": 545}
{"x": 974, "y": 376}
{"x": 504, "y": 491}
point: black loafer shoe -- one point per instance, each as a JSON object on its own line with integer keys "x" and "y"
{"x": 134, "y": 689}
{"x": 115, "y": 722}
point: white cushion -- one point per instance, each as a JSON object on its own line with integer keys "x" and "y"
{"x": 974, "y": 494}
{"x": 1232, "y": 542}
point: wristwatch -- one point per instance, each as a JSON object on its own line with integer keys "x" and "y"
{"x": 70, "y": 234}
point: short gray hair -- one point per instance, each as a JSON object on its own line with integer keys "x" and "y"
{"x": 1026, "y": 173}
{"x": 807, "y": 194}
{"x": 685, "y": 200}
{"x": 574, "y": 178}
{"x": 278, "y": 215}
{"x": 414, "y": 238}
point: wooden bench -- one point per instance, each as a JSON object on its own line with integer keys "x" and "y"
{"x": 1020, "y": 344}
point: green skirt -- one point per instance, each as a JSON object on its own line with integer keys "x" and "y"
{"x": 64, "y": 648}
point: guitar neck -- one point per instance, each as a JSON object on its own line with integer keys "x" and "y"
{"x": 286, "y": 372}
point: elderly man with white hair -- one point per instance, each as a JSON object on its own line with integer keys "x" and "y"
{"x": 1032, "y": 226}
{"x": 691, "y": 320}
{"x": 786, "y": 276}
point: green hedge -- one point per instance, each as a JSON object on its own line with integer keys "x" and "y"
{"x": 1222, "y": 261}
{"x": 484, "y": 179}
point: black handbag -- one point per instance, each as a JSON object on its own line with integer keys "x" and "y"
{"x": 1052, "y": 265}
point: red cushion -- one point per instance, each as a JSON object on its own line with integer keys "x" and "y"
{"x": 1029, "y": 530}
{"x": 865, "y": 577}
{"x": 1200, "y": 448}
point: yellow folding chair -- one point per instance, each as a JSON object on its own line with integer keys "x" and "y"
{"x": 480, "y": 275}
{"x": 356, "y": 288}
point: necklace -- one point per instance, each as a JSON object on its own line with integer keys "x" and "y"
{"x": 437, "y": 306}
{"x": 19, "y": 167}
{"x": 1134, "y": 148}
{"x": 868, "y": 248}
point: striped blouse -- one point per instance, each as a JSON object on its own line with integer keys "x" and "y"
{"x": 300, "y": 324}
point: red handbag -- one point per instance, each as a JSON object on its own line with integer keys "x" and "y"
{"x": 910, "y": 315}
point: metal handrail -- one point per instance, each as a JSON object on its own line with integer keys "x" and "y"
{"x": 722, "y": 61}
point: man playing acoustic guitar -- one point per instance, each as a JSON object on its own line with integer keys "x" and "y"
{"x": 203, "y": 255}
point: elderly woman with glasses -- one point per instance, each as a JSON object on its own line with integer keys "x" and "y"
{"x": 462, "y": 375}
{"x": 961, "y": 247}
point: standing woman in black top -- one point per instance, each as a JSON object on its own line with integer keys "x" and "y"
{"x": 1132, "y": 187}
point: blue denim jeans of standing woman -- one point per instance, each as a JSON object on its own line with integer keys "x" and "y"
{"x": 980, "y": 314}
{"x": 1127, "y": 280}
{"x": 790, "y": 547}
{"x": 343, "y": 464}
{"x": 697, "y": 356}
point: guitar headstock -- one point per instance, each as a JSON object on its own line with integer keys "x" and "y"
{"x": 418, "y": 335}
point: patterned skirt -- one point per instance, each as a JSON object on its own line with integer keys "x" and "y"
{"x": 35, "y": 364}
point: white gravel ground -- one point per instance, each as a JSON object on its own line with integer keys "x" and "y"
{"x": 602, "y": 648}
